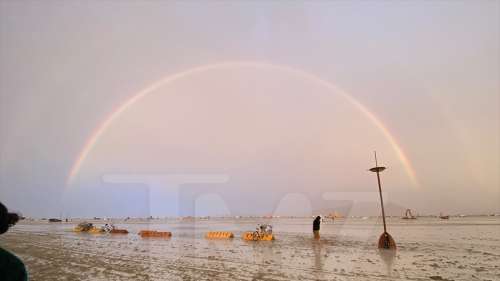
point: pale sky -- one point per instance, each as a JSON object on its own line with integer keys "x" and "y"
{"x": 428, "y": 71}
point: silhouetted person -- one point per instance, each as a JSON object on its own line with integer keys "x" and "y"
{"x": 316, "y": 223}
{"x": 11, "y": 267}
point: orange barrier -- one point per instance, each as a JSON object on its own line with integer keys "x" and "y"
{"x": 154, "y": 233}
{"x": 253, "y": 236}
{"x": 119, "y": 231}
{"x": 219, "y": 235}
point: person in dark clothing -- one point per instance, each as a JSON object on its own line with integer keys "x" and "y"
{"x": 11, "y": 267}
{"x": 316, "y": 225}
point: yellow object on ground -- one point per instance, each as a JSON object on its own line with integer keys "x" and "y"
{"x": 255, "y": 236}
{"x": 154, "y": 233}
{"x": 219, "y": 235}
{"x": 78, "y": 229}
{"x": 95, "y": 230}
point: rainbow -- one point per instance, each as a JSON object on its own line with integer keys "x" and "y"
{"x": 115, "y": 114}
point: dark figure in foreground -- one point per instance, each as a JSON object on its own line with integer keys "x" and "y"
{"x": 11, "y": 267}
{"x": 316, "y": 224}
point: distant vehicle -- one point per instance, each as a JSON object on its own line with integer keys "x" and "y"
{"x": 408, "y": 215}
{"x": 55, "y": 220}
{"x": 443, "y": 217}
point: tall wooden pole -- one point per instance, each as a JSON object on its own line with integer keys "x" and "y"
{"x": 385, "y": 240}
{"x": 380, "y": 191}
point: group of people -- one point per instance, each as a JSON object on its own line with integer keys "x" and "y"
{"x": 11, "y": 267}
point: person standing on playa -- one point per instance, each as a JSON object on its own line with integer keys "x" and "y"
{"x": 316, "y": 224}
{"x": 11, "y": 267}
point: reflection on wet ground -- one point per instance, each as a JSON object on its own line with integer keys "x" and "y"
{"x": 346, "y": 251}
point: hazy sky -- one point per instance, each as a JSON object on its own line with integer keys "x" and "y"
{"x": 275, "y": 141}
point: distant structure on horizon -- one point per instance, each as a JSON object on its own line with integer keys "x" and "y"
{"x": 335, "y": 215}
{"x": 408, "y": 215}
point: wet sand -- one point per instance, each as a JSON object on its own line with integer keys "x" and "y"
{"x": 428, "y": 249}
